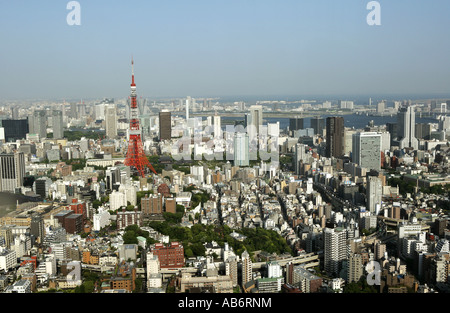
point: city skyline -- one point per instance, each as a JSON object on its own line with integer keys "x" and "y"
{"x": 357, "y": 203}
{"x": 237, "y": 48}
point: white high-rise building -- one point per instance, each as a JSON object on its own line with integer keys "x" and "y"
{"x": 256, "y": 113}
{"x": 406, "y": 128}
{"x": 154, "y": 277}
{"x": 188, "y": 103}
{"x": 130, "y": 193}
{"x": 444, "y": 123}
{"x": 247, "y": 267}
{"x": 101, "y": 219}
{"x": 153, "y": 265}
{"x": 385, "y": 141}
{"x": 46, "y": 269}
{"x": 374, "y": 194}
{"x": 309, "y": 186}
{"x": 8, "y": 259}
{"x": 59, "y": 250}
{"x": 241, "y": 149}
{"x": 273, "y": 129}
{"x": 366, "y": 151}
{"x": 274, "y": 270}
{"x": 99, "y": 111}
{"x": 335, "y": 250}
{"x": 345, "y": 104}
{"x": 217, "y": 127}
{"x": 22, "y": 244}
{"x": 116, "y": 200}
{"x": 381, "y": 107}
{"x": 111, "y": 120}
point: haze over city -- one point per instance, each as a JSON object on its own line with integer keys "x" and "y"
{"x": 224, "y": 48}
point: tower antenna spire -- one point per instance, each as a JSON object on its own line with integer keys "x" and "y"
{"x": 132, "y": 71}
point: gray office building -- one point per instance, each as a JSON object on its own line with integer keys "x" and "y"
{"x": 38, "y": 124}
{"x": 366, "y": 151}
{"x": 58, "y": 125}
{"x": 165, "y": 125}
{"x": 12, "y": 171}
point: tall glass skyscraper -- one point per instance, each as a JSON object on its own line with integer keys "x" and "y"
{"x": 241, "y": 150}
{"x": 406, "y": 128}
{"x": 15, "y": 129}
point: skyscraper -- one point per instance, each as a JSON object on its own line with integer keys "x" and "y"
{"x": 366, "y": 151}
{"x": 165, "y": 125}
{"x": 374, "y": 194}
{"x": 37, "y": 228}
{"x": 318, "y": 124}
{"x": 58, "y": 126}
{"x": 392, "y": 129}
{"x": 406, "y": 126}
{"x": 99, "y": 109}
{"x": 12, "y": 171}
{"x": 14, "y": 113}
{"x": 345, "y": 104}
{"x": 217, "y": 127}
{"x": 73, "y": 110}
{"x": 246, "y": 268}
{"x": 300, "y": 156}
{"x": 335, "y": 137}
{"x": 15, "y": 129}
{"x": 256, "y": 113}
{"x": 111, "y": 120}
{"x": 355, "y": 268}
{"x": 381, "y": 107}
{"x": 39, "y": 124}
{"x": 241, "y": 149}
{"x": 188, "y": 103}
{"x": 423, "y": 131}
{"x": 296, "y": 123}
{"x": 335, "y": 250}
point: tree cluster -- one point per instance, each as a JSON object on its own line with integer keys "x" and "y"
{"x": 193, "y": 238}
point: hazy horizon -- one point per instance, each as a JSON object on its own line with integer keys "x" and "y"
{"x": 238, "y": 48}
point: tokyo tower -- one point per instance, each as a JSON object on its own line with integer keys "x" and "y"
{"x": 135, "y": 155}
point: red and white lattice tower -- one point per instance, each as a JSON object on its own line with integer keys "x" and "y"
{"x": 135, "y": 155}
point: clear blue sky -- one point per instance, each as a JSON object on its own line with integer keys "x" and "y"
{"x": 223, "y": 48}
